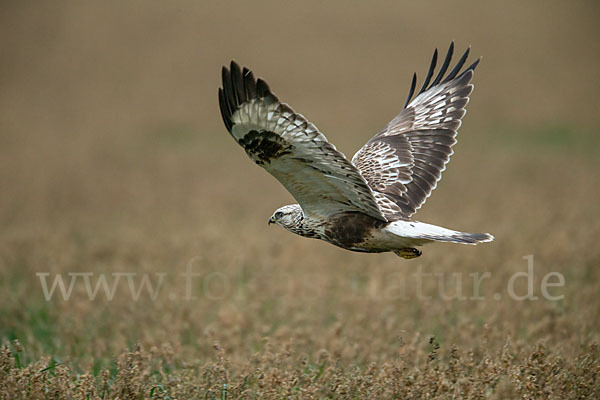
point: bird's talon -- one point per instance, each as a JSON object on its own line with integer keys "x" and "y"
{"x": 408, "y": 253}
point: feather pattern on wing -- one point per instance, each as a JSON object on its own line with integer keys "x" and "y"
{"x": 404, "y": 162}
{"x": 292, "y": 149}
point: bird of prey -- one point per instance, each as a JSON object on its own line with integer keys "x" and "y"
{"x": 365, "y": 204}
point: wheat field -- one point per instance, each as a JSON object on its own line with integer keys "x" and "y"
{"x": 120, "y": 182}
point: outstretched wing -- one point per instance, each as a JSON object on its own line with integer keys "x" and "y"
{"x": 291, "y": 149}
{"x": 404, "y": 162}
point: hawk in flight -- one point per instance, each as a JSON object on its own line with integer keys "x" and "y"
{"x": 365, "y": 204}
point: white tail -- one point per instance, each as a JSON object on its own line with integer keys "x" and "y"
{"x": 427, "y": 232}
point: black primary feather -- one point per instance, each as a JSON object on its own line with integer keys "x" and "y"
{"x": 458, "y": 66}
{"x": 440, "y": 75}
{"x": 412, "y": 89}
{"x": 445, "y": 65}
{"x": 430, "y": 72}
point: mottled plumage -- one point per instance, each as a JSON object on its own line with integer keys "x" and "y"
{"x": 363, "y": 205}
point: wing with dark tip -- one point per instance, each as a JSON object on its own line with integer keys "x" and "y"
{"x": 292, "y": 149}
{"x": 404, "y": 162}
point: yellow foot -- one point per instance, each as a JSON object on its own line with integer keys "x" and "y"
{"x": 408, "y": 253}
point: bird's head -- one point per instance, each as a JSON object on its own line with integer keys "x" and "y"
{"x": 290, "y": 217}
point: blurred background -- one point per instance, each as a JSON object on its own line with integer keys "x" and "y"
{"x": 106, "y": 105}
{"x": 114, "y": 158}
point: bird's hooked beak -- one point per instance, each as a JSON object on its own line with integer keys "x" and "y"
{"x": 271, "y": 221}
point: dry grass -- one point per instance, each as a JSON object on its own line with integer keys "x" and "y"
{"x": 283, "y": 372}
{"x": 114, "y": 160}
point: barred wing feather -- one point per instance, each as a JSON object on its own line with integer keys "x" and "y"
{"x": 403, "y": 163}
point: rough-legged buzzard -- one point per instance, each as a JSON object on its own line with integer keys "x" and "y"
{"x": 365, "y": 204}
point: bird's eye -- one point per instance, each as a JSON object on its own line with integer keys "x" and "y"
{"x": 278, "y": 215}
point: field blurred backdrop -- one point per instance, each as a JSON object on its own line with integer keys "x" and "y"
{"x": 114, "y": 159}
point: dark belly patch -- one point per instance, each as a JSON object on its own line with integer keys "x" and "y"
{"x": 265, "y": 146}
{"x": 350, "y": 229}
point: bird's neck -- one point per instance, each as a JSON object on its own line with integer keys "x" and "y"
{"x": 307, "y": 226}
